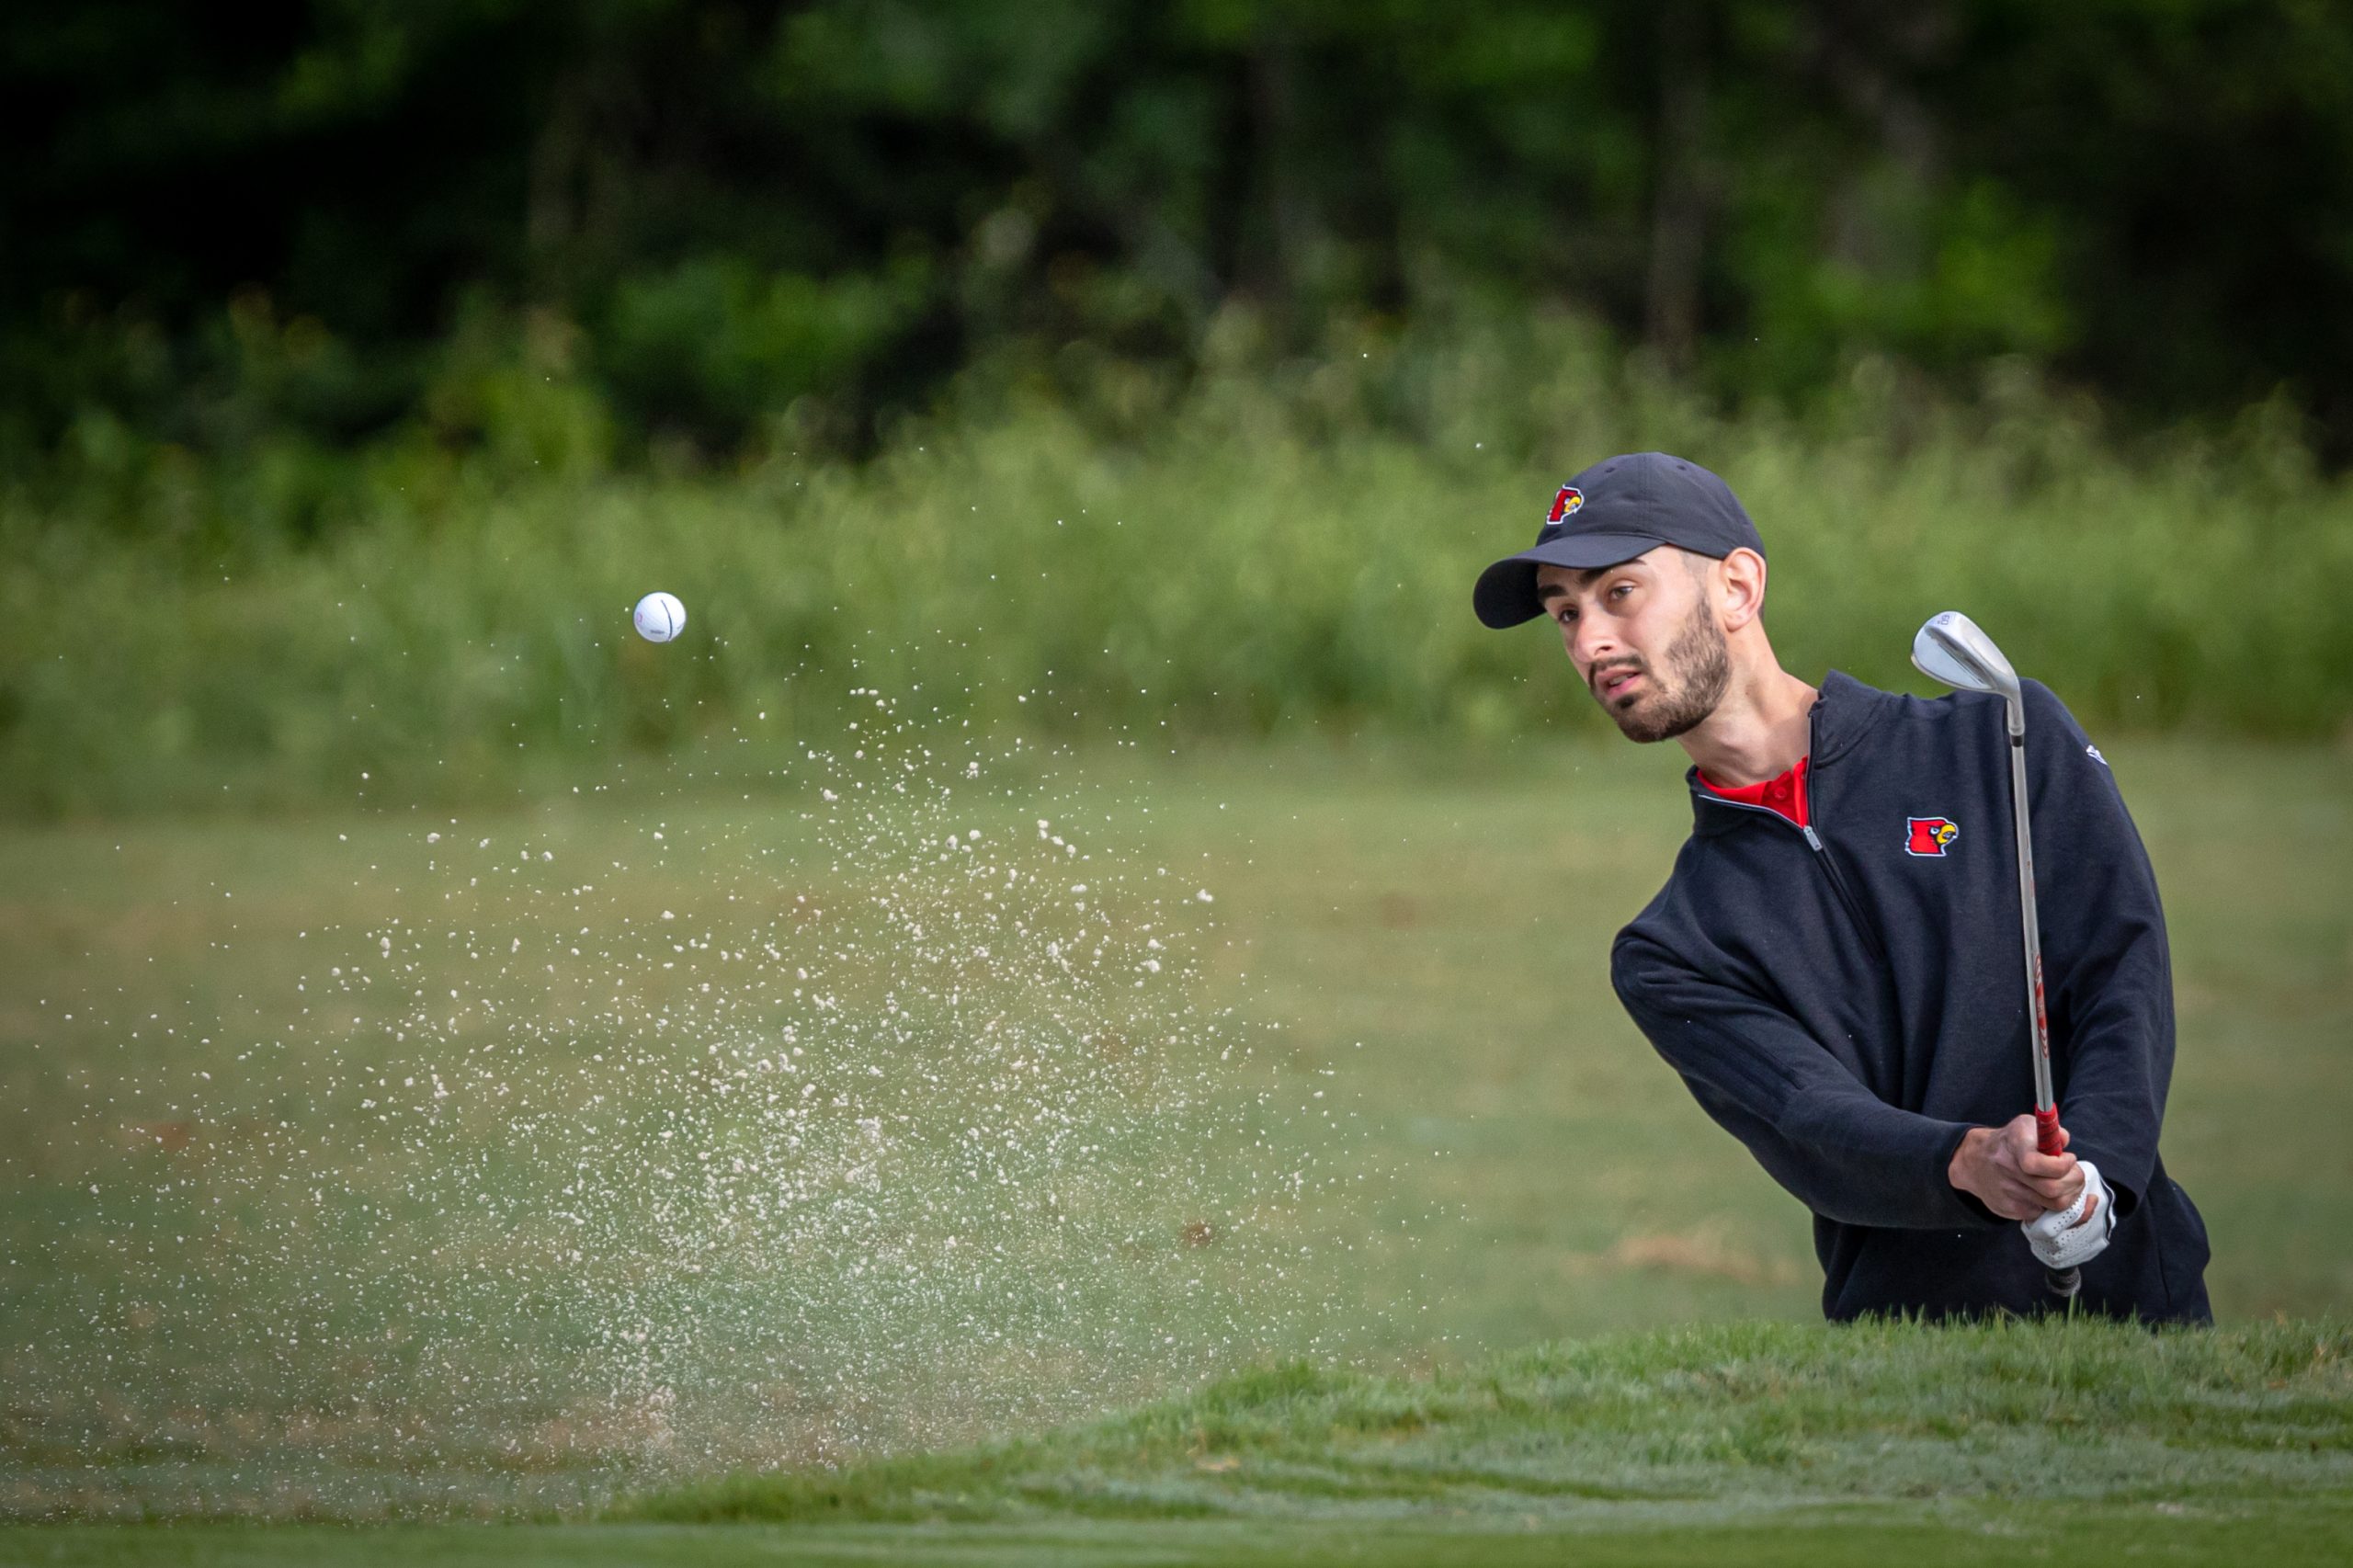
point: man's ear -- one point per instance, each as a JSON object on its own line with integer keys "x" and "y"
{"x": 1740, "y": 590}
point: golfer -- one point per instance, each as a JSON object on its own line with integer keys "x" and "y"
{"x": 1833, "y": 966}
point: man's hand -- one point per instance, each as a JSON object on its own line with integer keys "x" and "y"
{"x": 2001, "y": 1166}
{"x": 2072, "y": 1236}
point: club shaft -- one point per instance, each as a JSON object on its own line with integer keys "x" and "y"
{"x": 2063, "y": 1282}
{"x": 2046, "y": 1106}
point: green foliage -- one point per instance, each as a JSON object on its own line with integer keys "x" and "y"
{"x": 715, "y": 345}
{"x": 1264, "y": 553}
{"x": 748, "y": 206}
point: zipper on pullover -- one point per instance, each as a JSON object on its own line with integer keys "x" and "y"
{"x": 1838, "y": 885}
{"x": 1821, "y": 857}
{"x": 1821, "y": 852}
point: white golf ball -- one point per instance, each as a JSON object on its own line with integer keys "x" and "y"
{"x": 660, "y": 616}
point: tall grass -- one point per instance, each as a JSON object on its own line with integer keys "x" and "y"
{"x": 1262, "y": 551}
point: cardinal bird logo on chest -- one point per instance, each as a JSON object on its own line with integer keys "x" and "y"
{"x": 1928, "y": 835}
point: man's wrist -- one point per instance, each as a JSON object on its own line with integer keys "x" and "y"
{"x": 1961, "y": 1169}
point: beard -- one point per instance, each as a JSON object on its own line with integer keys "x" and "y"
{"x": 1698, "y": 667}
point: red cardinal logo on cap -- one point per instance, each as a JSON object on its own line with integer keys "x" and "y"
{"x": 1566, "y": 502}
{"x": 1928, "y": 835}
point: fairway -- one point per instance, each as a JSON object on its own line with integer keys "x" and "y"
{"x": 2293, "y": 1535}
{"x": 1384, "y": 1112}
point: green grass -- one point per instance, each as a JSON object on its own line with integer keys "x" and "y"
{"x": 373, "y": 1322}
{"x": 1267, "y": 555}
{"x": 2290, "y": 1532}
{"x": 1759, "y": 1416}
{"x": 1746, "y": 1442}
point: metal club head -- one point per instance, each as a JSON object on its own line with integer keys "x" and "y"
{"x": 1951, "y": 649}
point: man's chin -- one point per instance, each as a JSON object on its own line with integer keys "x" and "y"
{"x": 1647, "y": 722}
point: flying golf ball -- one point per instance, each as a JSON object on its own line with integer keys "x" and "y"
{"x": 660, "y": 616}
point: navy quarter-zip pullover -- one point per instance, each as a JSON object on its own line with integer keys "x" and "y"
{"x": 1849, "y": 998}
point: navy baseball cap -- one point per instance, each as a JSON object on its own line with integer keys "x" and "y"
{"x": 1618, "y": 508}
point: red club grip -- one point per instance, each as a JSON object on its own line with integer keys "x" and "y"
{"x": 2046, "y": 1132}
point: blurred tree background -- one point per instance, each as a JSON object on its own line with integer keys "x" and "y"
{"x": 322, "y": 217}
{"x": 306, "y": 299}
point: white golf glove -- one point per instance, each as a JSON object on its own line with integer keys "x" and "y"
{"x": 2057, "y": 1238}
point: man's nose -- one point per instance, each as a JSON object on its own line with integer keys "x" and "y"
{"x": 1591, "y": 643}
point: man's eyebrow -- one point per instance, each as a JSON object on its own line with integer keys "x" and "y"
{"x": 1585, "y": 580}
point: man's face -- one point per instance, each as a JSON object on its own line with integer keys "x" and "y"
{"x": 1643, "y": 638}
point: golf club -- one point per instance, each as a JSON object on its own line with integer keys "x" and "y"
{"x": 1950, "y": 648}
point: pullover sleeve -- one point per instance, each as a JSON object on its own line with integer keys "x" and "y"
{"x": 2107, "y": 974}
{"x": 1839, "y": 1149}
